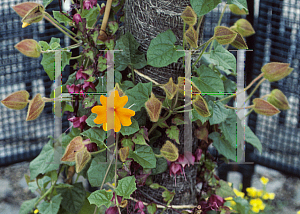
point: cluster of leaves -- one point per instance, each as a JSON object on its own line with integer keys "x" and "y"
{"x": 86, "y": 144}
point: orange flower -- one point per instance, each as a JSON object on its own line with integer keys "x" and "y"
{"x": 121, "y": 115}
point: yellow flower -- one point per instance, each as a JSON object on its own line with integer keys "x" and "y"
{"x": 25, "y": 24}
{"x": 257, "y": 205}
{"x": 264, "y": 180}
{"x": 298, "y": 212}
{"x": 121, "y": 115}
{"x": 238, "y": 193}
{"x": 36, "y": 211}
{"x": 267, "y": 196}
{"x": 230, "y": 199}
{"x": 252, "y": 191}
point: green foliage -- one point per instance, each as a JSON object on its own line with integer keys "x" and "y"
{"x": 225, "y": 190}
{"x": 202, "y": 7}
{"x": 44, "y": 162}
{"x": 242, "y": 4}
{"x": 73, "y": 197}
{"x": 224, "y": 147}
{"x": 251, "y": 138}
{"x": 144, "y": 156}
{"x": 128, "y": 130}
{"x": 96, "y": 135}
{"x": 61, "y": 18}
{"x": 130, "y": 54}
{"x": 27, "y": 206}
{"x": 46, "y": 2}
{"x": 173, "y": 133}
{"x": 126, "y": 187}
{"x": 162, "y": 50}
{"x": 161, "y": 166}
{"x": 90, "y": 121}
{"x": 101, "y": 197}
{"x": 219, "y": 114}
{"x": 90, "y": 15}
{"x": 51, "y": 207}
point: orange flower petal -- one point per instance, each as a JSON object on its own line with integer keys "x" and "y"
{"x": 124, "y": 116}
{"x": 101, "y": 117}
{"x": 120, "y": 102}
{"x": 103, "y": 100}
{"x": 117, "y": 123}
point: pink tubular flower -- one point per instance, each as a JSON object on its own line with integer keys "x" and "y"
{"x": 77, "y": 18}
{"x": 88, "y": 4}
{"x": 140, "y": 206}
{"x": 82, "y": 75}
{"x": 88, "y": 85}
{"x": 112, "y": 210}
{"x": 78, "y": 122}
{"x": 74, "y": 88}
{"x": 91, "y": 147}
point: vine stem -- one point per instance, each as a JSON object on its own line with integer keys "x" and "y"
{"x": 256, "y": 87}
{"x": 112, "y": 159}
{"x": 116, "y": 149}
{"x": 166, "y": 206}
{"x": 160, "y": 121}
{"x": 146, "y": 77}
{"x": 245, "y": 89}
{"x": 63, "y": 27}
{"x": 247, "y": 114}
{"x": 202, "y": 52}
{"x": 59, "y": 28}
{"x": 239, "y": 108}
{"x": 219, "y": 23}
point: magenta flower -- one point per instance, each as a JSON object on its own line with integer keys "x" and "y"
{"x": 78, "y": 122}
{"x": 198, "y": 154}
{"x": 91, "y": 147}
{"x": 114, "y": 200}
{"x": 74, "y": 88}
{"x": 88, "y": 4}
{"x": 77, "y": 18}
{"x": 140, "y": 206}
{"x": 112, "y": 210}
{"x": 88, "y": 85}
{"x": 216, "y": 201}
{"x": 82, "y": 75}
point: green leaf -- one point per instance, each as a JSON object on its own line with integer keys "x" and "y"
{"x": 65, "y": 59}
{"x": 242, "y": 4}
{"x": 101, "y": 197}
{"x": 140, "y": 117}
{"x": 130, "y": 54}
{"x": 61, "y": 18}
{"x": 228, "y": 127}
{"x": 54, "y": 46}
{"x": 90, "y": 121}
{"x": 96, "y": 135}
{"x": 48, "y": 64}
{"x": 118, "y": 77}
{"x": 138, "y": 95}
{"x": 144, "y": 156}
{"x": 224, "y": 147}
{"x": 73, "y": 197}
{"x": 126, "y": 84}
{"x": 97, "y": 171}
{"x": 53, "y": 40}
{"x": 127, "y": 143}
{"x": 139, "y": 139}
{"x": 251, "y": 138}
{"x": 162, "y": 51}
{"x": 219, "y": 114}
{"x": 44, "y": 45}
{"x": 208, "y": 81}
{"x": 32, "y": 186}
{"x": 27, "y": 206}
{"x": 173, "y": 133}
{"x": 225, "y": 190}
{"x": 110, "y": 43}
{"x": 202, "y": 7}
{"x": 44, "y": 162}
{"x": 87, "y": 208}
{"x": 46, "y": 3}
{"x": 128, "y": 130}
{"x": 223, "y": 58}
{"x": 229, "y": 86}
{"x": 242, "y": 205}
{"x": 113, "y": 26}
{"x": 151, "y": 208}
{"x": 126, "y": 187}
{"x": 161, "y": 166}
{"x": 90, "y": 15}
{"x": 102, "y": 63}
{"x": 51, "y": 207}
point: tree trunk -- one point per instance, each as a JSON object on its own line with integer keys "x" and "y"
{"x": 145, "y": 19}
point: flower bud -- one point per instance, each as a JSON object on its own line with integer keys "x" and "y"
{"x": 224, "y": 35}
{"x": 275, "y": 71}
{"x": 169, "y": 151}
{"x": 123, "y": 153}
{"x": 82, "y": 157}
{"x": 170, "y": 89}
{"x": 36, "y": 106}
{"x": 191, "y": 37}
{"x": 29, "y": 47}
{"x": 239, "y": 42}
{"x": 118, "y": 88}
{"x": 153, "y": 107}
{"x": 74, "y": 146}
{"x": 236, "y": 10}
{"x": 189, "y": 16}
{"x": 155, "y": 186}
{"x": 264, "y": 108}
{"x": 278, "y": 99}
{"x": 243, "y": 27}
{"x": 34, "y": 15}
{"x": 200, "y": 106}
{"x": 23, "y": 8}
{"x": 17, "y": 100}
